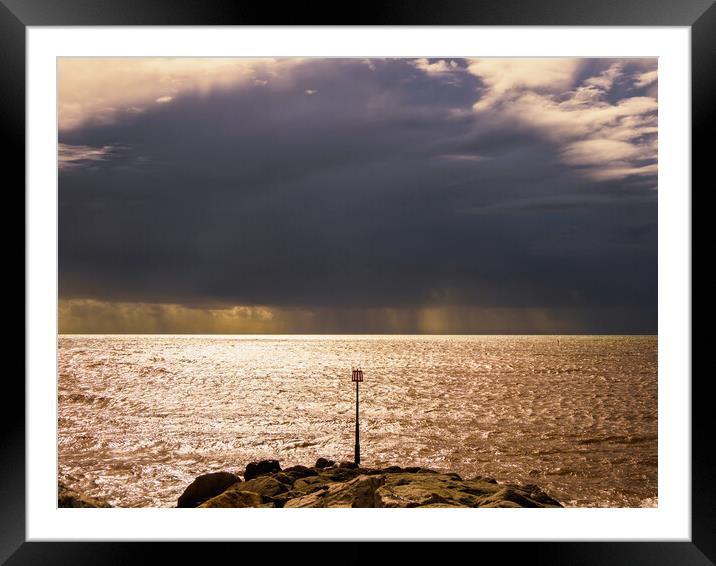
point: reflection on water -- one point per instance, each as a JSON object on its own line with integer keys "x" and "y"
{"x": 141, "y": 416}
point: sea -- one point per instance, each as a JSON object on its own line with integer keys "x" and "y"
{"x": 140, "y": 416}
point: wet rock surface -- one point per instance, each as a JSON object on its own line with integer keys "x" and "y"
{"x": 323, "y": 463}
{"x": 327, "y": 485}
{"x": 205, "y": 487}
{"x": 256, "y": 469}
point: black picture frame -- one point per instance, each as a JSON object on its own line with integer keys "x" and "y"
{"x": 17, "y": 15}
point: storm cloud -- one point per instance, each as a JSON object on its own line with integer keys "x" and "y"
{"x": 345, "y": 195}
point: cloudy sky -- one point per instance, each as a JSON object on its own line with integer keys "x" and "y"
{"x": 354, "y": 195}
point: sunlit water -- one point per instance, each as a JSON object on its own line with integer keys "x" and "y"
{"x": 141, "y": 416}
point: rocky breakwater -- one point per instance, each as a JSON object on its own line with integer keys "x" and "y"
{"x": 326, "y": 484}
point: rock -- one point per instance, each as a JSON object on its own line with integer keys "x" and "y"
{"x": 252, "y": 493}
{"x": 234, "y": 498}
{"x": 311, "y": 484}
{"x": 519, "y": 497}
{"x": 339, "y": 474}
{"x": 484, "y": 479}
{"x": 349, "y": 486}
{"x": 536, "y": 494}
{"x": 284, "y": 478}
{"x": 418, "y": 490}
{"x": 324, "y": 463}
{"x": 205, "y": 487}
{"x": 67, "y": 497}
{"x": 264, "y": 485}
{"x": 256, "y": 469}
{"x": 359, "y": 492}
{"x": 369, "y": 471}
{"x": 349, "y": 465}
{"x": 507, "y": 494}
{"x": 505, "y": 504}
{"x": 298, "y": 472}
{"x": 281, "y": 499}
{"x": 434, "y": 489}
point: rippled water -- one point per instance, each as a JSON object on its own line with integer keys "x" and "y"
{"x": 141, "y": 416}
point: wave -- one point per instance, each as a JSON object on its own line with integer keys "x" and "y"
{"x": 619, "y": 439}
{"x": 96, "y": 400}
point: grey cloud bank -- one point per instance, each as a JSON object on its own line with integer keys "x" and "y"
{"x": 339, "y": 185}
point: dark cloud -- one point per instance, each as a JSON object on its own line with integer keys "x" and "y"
{"x": 378, "y": 189}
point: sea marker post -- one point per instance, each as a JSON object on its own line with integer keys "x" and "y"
{"x": 357, "y": 377}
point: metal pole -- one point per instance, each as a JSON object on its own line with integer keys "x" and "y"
{"x": 357, "y": 454}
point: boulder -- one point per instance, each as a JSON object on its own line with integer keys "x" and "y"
{"x": 205, "y": 487}
{"x": 324, "y": 463}
{"x": 369, "y": 471}
{"x": 516, "y": 496}
{"x": 339, "y": 474}
{"x": 349, "y": 465}
{"x": 431, "y": 489}
{"x": 502, "y": 504}
{"x": 264, "y": 485}
{"x": 284, "y": 478}
{"x": 311, "y": 484}
{"x": 536, "y": 494}
{"x": 298, "y": 472}
{"x": 358, "y": 492}
{"x": 419, "y": 490}
{"x": 256, "y": 469}
{"x": 257, "y": 492}
{"x": 281, "y": 499}
{"x": 234, "y": 498}
{"x": 67, "y": 497}
{"x": 484, "y": 479}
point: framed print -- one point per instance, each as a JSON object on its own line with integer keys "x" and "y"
{"x": 436, "y": 260}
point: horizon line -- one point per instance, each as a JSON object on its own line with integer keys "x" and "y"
{"x": 347, "y": 334}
